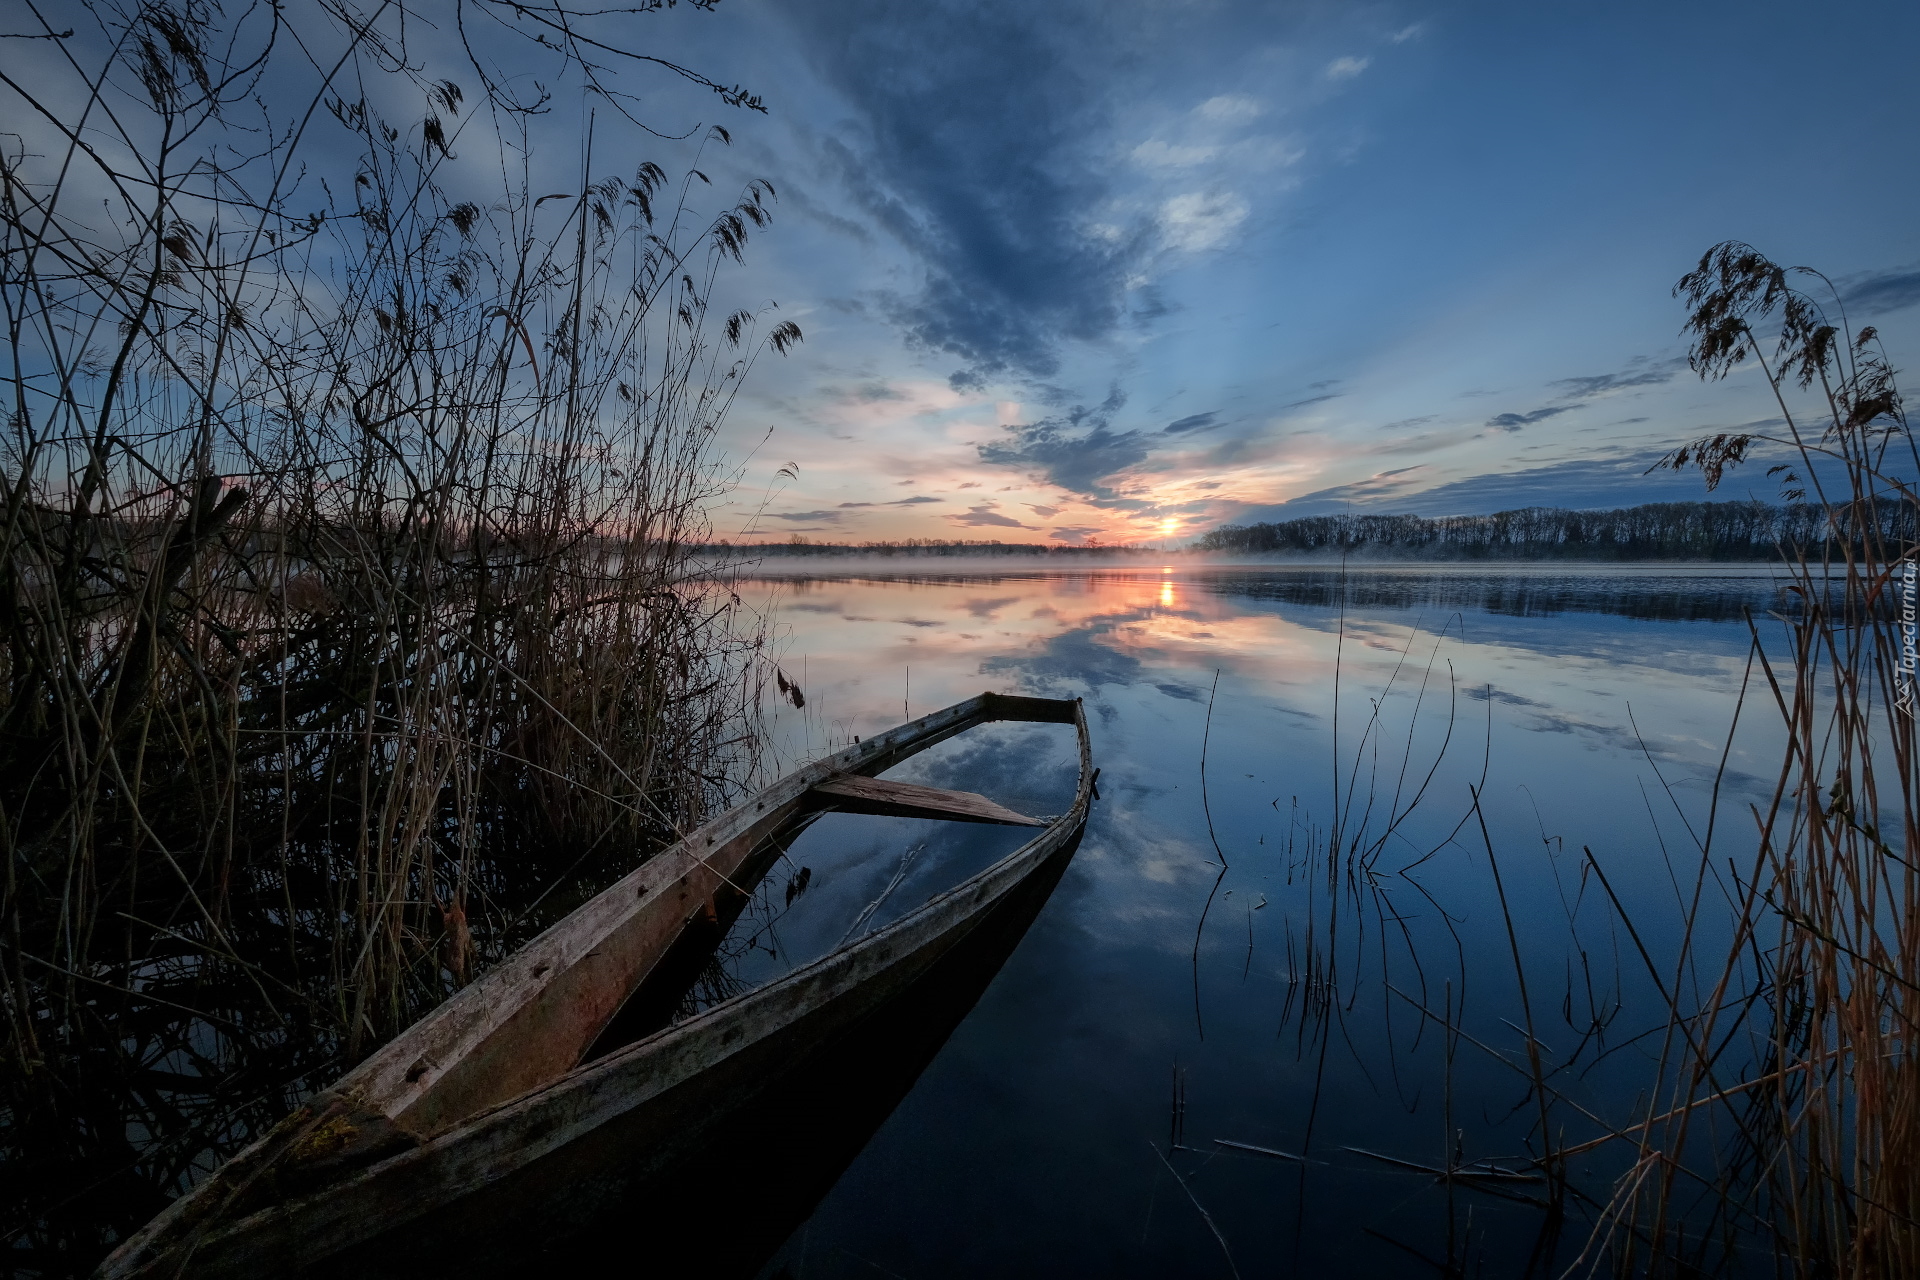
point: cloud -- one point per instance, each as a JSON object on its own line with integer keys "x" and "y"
{"x": 1230, "y": 108}
{"x": 1375, "y": 491}
{"x": 1073, "y": 533}
{"x": 1407, "y": 423}
{"x": 882, "y": 405}
{"x": 805, "y": 515}
{"x": 1602, "y": 383}
{"x": 1075, "y": 451}
{"x": 1347, "y": 68}
{"x": 1487, "y": 693}
{"x": 1156, "y": 154}
{"x": 1192, "y": 422}
{"x": 1515, "y": 421}
{"x": 1254, "y": 155}
{"x": 1199, "y": 220}
{"x": 1578, "y": 483}
{"x": 914, "y": 501}
{"x": 1040, "y": 510}
{"x": 1327, "y": 395}
{"x": 983, "y": 516}
{"x": 983, "y": 162}
{"x": 1879, "y": 292}
{"x": 1618, "y": 481}
{"x": 1213, "y": 134}
{"x": 1077, "y": 463}
{"x": 1407, "y": 33}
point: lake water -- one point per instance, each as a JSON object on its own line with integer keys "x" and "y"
{"x": 1212, "y": 968}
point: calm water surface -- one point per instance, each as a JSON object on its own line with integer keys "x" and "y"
{"x": 1208, "y": 970}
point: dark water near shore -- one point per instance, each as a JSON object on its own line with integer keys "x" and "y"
{"x": 1352, "y": 1009}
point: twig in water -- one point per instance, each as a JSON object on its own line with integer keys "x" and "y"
{"x": 1206, "y": 736}
{"x": 1201, "y": 1210}
{"x": 1177, "y": 1109}
{"x": 898, "y": 875}
{"x": 1259, "y": 1151}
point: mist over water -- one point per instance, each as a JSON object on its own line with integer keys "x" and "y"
{"x": 1352, "y": 1006}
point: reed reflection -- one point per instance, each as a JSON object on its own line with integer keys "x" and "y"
{"x": 1306, "y": 939}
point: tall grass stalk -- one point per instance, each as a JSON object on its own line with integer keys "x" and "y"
{"x": 350, "y": 631}
{"x": 1784, "y": 1135}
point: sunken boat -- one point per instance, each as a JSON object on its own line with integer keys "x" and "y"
{"x": 558, "y": 1087}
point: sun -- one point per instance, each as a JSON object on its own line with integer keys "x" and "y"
{"x": 1168, "y": 525}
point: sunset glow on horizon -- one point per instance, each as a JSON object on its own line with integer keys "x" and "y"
{"x": 1287, "y": 285}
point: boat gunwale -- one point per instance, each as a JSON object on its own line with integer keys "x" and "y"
{"x": 775, "y": 806}
{"x": 1053, "y": 833}
{"x": 150, "y": 1246}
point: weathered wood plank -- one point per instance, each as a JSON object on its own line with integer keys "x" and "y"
{"x": 1013, "y": 706}
{"x": 642, "y": 1096}
{"x": 533, "y": 1017}
{"x": 443, "y": 1083}
{"x": 851, "y": 793}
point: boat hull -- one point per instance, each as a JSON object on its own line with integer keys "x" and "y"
{"x": 723, "y": 1169}
{"x": 546, "y": 1163}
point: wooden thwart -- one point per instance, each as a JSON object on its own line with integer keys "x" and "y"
{"x": 852, "y": 793}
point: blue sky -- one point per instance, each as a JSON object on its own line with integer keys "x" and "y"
{"x": 1131, "y": 270}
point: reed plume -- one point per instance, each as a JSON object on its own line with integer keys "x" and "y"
{"x": 1786, "y": 1120}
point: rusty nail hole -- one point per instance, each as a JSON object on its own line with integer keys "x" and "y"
{"x": 540, "y": 969}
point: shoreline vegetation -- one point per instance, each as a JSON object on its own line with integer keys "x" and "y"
{"x": 1776, "y": 1127}
{"x": 1771, "y": 1120}
{"x": 350, "y": 632}
{"x": 1717, "y": 532}
{"x": 1735, "y": 532}
{"x": 1782, "y": 1113}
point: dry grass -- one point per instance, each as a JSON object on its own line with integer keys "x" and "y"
{"x": 1778, "y": 1128}
{"x": 1784, "y": 1132}
{"x": 350, "y": 631}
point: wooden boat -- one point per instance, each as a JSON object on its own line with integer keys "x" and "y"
{"x": 557, "y": 1082}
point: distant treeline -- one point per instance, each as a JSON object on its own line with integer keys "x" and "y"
{"x": 909, "y": 548}
{"x": 1654, "y": 531}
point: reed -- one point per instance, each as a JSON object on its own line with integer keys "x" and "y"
{"x": 1783, "y": 1131}
{"x": 351, "y": 630}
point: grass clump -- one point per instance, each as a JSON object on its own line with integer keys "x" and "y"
{"x": 351, "y": 631}
{"x": 1785, "y": 1124}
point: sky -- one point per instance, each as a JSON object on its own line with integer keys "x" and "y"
{"x": 1127, "y": 271}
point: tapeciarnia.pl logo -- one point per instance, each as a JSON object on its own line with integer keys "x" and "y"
{"x": 1904, "y": 670}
